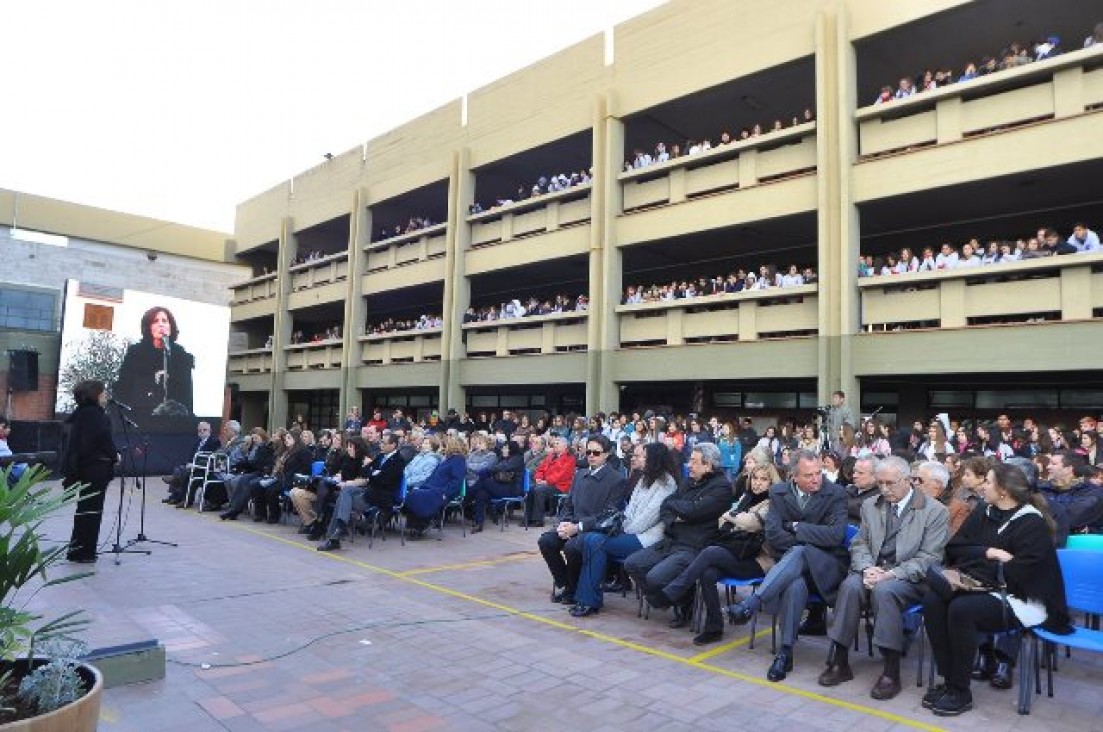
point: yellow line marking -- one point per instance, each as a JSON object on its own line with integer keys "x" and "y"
{"x": 722, "y": 649}
{"x": 655, "y": 652}
{"x": 469, "y": 565}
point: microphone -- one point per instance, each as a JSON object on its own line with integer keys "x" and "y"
{"x": 168, "y": 344}
{"x": 119, "y": 404}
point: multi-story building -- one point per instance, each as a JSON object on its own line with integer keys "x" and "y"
{"x": 996, "y": 158}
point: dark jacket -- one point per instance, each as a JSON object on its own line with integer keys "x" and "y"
{"x": 136, "y": 386}
{"x": 211, "y": 445}
{"x": 1033, "y": 571}
{"x": 690, "y": 513}
{"x": 821, "y": 529}
{"x": 261, "y": 460}
{"x": 593, "y": 495}
{"x": 442, "y": 485}
{"x": 90, "y": 452}
{"x": 855, "y": 499}
{"x": 385, "y": 474}
{"x": 1082, "y": 503}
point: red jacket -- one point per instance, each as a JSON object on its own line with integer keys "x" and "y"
{"x": 557, "y": 471}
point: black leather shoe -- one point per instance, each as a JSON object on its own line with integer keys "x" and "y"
{"x": 933, "y": 695}
{"x": 953, "y": 702}
{"x": 331, "y": 545}
{"x": 81, "y": 559}
{"x": 985, "y": 665}
{"x": 708, "y": 636}
{"x": 815, "y": 623}
{"x": 168, "y": 499}
{"x": 228, "y": 516}
{"x": 783, "y": 664}
{"x": 584, "y": 611}
{"x": 887, "y": 687}
{"x": 316, "y": 533}
{"x": 739, "y": 614}
{"x": 680, "y": 619}
{"x": 562, "y": 596}
{"x": 836, "y": 674}
{"x": 1003, "y": 677}
{"x": 614, "y": 586}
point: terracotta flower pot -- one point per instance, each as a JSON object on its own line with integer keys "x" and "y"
{"x": 83, "y": 715}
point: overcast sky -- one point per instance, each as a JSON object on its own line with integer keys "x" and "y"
{"x": 181, "y": 110}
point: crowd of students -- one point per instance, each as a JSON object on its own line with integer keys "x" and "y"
{"x": 399, "y": 325}
{"x": 767, "y": 277}
{"x": 642, "y": 158}
{"x": 306, "y": 258}
{"x": 414, "y": 223}
{"x": 1011, "y": 56}
{"x": 1047, "y": 242}
{"x": 516, "y": 309}
{"x": 543, "y": 185}
{"x": 332, "y": 333}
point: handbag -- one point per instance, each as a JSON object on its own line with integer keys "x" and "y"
{"x": 742, "y": 544}
{"x": 505, "y": 476}
{"x": 945, "y": 582}
{"x": 610, "y": 523}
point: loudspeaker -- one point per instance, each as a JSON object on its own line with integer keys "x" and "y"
{"x": 23, "y": 371}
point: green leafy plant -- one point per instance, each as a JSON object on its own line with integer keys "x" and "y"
{"x": 25, "y": 562}
{"x": 57, "y": 682}
{"x": 98, "y": 355}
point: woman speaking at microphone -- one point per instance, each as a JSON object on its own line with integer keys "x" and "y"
{"x": 156, "y": 374}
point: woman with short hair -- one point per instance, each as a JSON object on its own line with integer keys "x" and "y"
{"x": 90, "y": 458}
{"x": 424, "y": 504}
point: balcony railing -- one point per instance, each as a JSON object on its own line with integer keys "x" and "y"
{"x": 555, "y": 333}
{"x": 324, "y": 271}
{"x": 1063, "y": 86}
{"x": 1065, "y": 288}
{"x": 743, "y": 316}
{"x": 739, "y": 164}
{"x": 251, "y": 361}
{"x": 409, "y": 346}
{"x": 316, "y": 355}
{"x": 532, "y": 216}
{"x": 417, "y": 246}
{"x": 258, "y": 288}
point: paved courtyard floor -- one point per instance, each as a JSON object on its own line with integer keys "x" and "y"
{"x": 265, "y": 633}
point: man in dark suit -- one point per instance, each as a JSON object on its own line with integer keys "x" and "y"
{"x": 178, "y": 481}
{"x": 376, "y": 489}
{"x": 805, "y": 531}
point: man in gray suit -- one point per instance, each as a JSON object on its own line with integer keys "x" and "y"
{"x": 805, "y": 530}
{"x": 903, "y": 531}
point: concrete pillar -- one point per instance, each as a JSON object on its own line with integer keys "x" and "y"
{"x": 277, "y": 397}
{"x": 457, "y": 288}
{"x": 839, "y": 301}
{"x": 606, "y": 261}
{"x": 355, "y": 305}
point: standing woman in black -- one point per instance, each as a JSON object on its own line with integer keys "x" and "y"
{"x": 90, "y": 460}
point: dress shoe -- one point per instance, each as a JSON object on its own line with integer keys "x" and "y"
{"x": 836, "y": 674}
{"x": 584, "y": 611}
{"x": 658, "y": 600}
{"x": 331, "y": 545}
{"x": 815, "y": 623}
{"x": 783, "y": 664}
{"x": 82, "y": 558}
{"x": 168, "y": 499}
{"x": 708, "y": 636}
{"x": 1003, "y": 677}
{"x": 614, "y": 586}
{"x": 561, "y": 596}
{"x": 306, "y": 529}
{"x": 985, "y": 665}
{"x": 739, "y": 614}
{"x": 933, "y": 695}
{"x": 172, "y": 501}
{"x": 886, "y": 687}
{"x": 228, "y": 515}
{"x": 476, "y": 528}
{"x": 953, "y": 702}
{"x": 316, "y": 532}
{"x": 680, "y": 619}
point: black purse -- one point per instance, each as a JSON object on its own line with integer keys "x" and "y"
{"x": 610, "y": 523}
{"x": 742, "y": 544}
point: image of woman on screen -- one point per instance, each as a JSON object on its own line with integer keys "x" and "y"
{"x": 156, "y": 374}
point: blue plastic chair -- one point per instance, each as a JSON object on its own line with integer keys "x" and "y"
{"x": 1083, "y": 576}
{"x": 504, "y": 504}
{"x": 317, "y": 468}
{"x": 456, "y": 504}
{"x": 731, "y": 586}
{"x": 1085, "y": 542}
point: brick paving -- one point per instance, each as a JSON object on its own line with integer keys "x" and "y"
{"x": 453, "y": 635}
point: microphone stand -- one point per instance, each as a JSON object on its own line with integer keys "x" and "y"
{"x": 141, "y": 478}
{"x": 118, "y": 549}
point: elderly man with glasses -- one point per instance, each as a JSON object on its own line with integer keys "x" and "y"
{"x": 903, "y": 532}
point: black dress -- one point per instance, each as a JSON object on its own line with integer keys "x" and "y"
{"x": 90, "y": 460}
{"x": 136, "y": 384}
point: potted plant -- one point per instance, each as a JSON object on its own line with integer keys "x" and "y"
{"x": 43, "y": 687}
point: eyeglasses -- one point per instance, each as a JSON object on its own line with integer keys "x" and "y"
{"x": 595, "y": 452}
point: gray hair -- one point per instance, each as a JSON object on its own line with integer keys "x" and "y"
{"x": 797, "y": 456}
{"x": 233, "y": 426}
{"x": 873, "y": 460}
{"x": 899, "y": 464}
{"x": 937, "y": 471}
{"x": 710, "y": 454}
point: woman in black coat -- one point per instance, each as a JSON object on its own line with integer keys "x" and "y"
{"x": 141, "y": 382}
{"x": 90, "y": 459}
{"x": 295, "y": 460}
{"x": 1011, "y": 529}
{"x": 505, "y": 481}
